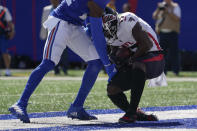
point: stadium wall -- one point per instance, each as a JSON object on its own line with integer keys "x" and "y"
{"x": 27, "y": 17}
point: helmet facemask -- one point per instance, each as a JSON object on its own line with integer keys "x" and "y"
{"x": 110, "y": 22}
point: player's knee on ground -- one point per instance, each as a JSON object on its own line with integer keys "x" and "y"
{"x": 112, "y": 90}
{"x": 139, "y": 65}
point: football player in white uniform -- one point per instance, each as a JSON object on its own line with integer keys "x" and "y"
{"x": 135, "y": 50}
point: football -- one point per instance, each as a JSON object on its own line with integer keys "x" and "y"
{"x": 123, "y": 53}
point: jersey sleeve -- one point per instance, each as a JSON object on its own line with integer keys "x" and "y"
{"x": 102, "y": 3}
{"x": 129, "y": 21}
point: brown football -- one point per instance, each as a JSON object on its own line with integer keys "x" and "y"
{"x": 123, "y": 52}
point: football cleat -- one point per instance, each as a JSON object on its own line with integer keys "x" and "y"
{"x": 19, "y": 112}
{"x": 142, "y": 116}
{"x": 128, "y": 118}
{"x": 79, "y": 113}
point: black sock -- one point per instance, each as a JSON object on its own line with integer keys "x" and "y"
{"x": 120, "y": 100}
{"x": 138, "y": 79}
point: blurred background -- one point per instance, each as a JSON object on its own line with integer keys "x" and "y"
{"x": 26, "y": 48}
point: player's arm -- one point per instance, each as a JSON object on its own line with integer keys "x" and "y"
{"x": 96, "y": 8}
{"x": 141, "y": 37}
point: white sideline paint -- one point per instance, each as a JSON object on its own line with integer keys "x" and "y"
{"x": 102, "y": 119}
{"x": 181, "y": 79}
{"x": 147, "y": 129}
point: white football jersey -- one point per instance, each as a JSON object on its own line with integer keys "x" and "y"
{"x": 125, "y": 37}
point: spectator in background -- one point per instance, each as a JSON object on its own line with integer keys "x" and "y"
{"x": 6, "y": 33}
{"x": 167, "y": 16}
{"x": 111, "y": 4}
{"x": 126, "y": 7}
{"x": 43, "y": 36}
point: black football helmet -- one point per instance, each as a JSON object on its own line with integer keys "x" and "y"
{"x": 110, "y": 22}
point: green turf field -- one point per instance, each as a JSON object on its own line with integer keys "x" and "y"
{"x": 56, "y": 95}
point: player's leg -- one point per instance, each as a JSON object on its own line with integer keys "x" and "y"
{"x": 89, "y": 78}
{"x": 123, "y": 81}
{"x": 92, "y": 70}
{"x": 64, "y": 61}
{"x": 138, "y": 81}
{"x": 142, "y": 69}
{"x": 19, "y": 108}
{"x": 118, "y": 84}
{"x": 82, "y": 45}
{"x": 53, "y": 48}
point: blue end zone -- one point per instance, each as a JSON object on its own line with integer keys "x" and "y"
{"x": 188, "y": 123}
{"x": 163, "y": 124}
{"x": 96, "y": 112}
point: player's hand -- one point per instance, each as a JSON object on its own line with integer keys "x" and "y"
{"x": 111, "y": 71}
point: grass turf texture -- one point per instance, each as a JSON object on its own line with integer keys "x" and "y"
{"x": 77, "y": 73}
{"x": 56, "y": 95}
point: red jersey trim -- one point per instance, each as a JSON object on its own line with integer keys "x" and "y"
{"x": 155, "y": 41}
{"x": 155, "y": 58}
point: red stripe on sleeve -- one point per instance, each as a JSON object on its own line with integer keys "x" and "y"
{"x": 155, "y": 41}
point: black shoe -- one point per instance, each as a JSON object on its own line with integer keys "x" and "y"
{"x": 128, "y": 118}
{"x": 142, "y": 116}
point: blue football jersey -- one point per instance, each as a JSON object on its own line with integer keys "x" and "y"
{"x": 75, "y": 11}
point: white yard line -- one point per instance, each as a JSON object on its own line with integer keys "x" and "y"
{"x": 147, "y": 129}
{"x": 187, "y": 79}
{"x": 103, "y": 119}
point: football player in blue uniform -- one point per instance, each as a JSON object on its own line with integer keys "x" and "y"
{"x": 65, "y": 30}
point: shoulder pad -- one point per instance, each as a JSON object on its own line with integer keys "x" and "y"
{"x": 127, "y": 20}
